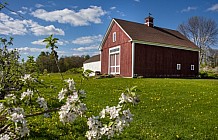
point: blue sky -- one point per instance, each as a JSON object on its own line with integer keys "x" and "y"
{"x": 81, "y": 24}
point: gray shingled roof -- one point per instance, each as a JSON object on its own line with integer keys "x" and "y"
{"x": 93, "y": 59}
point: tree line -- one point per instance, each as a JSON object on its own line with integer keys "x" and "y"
{"x": 45, "y": 62}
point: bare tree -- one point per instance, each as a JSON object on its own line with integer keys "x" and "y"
{"x": 202, "y": 31}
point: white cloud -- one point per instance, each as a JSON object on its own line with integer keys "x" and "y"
{"x": 80, "y": 18}
{"x": 10, "y": 26}
{"x": 87, "y": 40}
{"x": 30, "y": 50}
{"x": 112, "y": 8}
{"x": 189, "y": 8}
{"x": 121, "y": 13}
{"x": 41, "y": 43}
{"x": 46, "y": 30}
{"x": 24, "y": 8}
{"x": 22, "y": 12}
{"x": 93, "y": 47}
{"x": 137, "y": 0}
{"x": 213, "y": 7}
{"x": 39, "y": 5}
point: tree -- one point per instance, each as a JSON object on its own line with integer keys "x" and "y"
{"x": 21, "y": 99}
{"x": 43, "y": 62}
{"x": 202, "y": 31}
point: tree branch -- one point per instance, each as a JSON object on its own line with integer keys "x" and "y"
{"x": 40, "y": 113}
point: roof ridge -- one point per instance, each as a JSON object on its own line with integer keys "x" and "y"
{"x": 144, "y": 24}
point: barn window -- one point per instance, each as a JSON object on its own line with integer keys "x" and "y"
{"x": 192, "y": 67}
{"x": 178, "y": 66}
{"x": 114, "y": 60}
{"x": 114, "y": 36}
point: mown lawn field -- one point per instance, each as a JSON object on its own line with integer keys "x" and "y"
{"x": 168, "y": 108}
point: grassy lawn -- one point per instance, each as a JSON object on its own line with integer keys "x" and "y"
{"x": 169, "y": 108}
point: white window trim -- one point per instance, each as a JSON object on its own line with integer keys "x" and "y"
{"x": 192, "y": 67}
{"x": 116, "y": 52}
{"x": 178, "y": 66}
{"x": 114, "y": 37}
{"x": 133, "y": 58}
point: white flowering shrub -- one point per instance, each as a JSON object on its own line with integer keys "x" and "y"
{"x": 112, "y": 120}
{"x": 20, "y": 99}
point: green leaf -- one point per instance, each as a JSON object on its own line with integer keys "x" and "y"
{"x": 132, "y": 93}
{"x": 110, "y": 124}
{"x": 134, "y": 88}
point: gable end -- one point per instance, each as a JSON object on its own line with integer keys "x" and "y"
{"x": 108, "y": 31}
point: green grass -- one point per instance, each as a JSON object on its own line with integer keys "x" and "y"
{"x": 169, "y": 108}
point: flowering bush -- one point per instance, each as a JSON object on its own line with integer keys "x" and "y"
{"x": 20, "y": 99}
{"x": 112, "y": 120}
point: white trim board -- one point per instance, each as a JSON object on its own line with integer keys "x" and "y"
{"x": 165, "y": 45}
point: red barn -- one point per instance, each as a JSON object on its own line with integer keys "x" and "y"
{"x": 133, "y": 49}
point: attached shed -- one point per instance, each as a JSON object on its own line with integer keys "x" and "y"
{"x": 93, "y": 64}
{"x": 133, "y": 49}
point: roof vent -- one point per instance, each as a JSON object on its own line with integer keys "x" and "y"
{"x": 149, "y": 21}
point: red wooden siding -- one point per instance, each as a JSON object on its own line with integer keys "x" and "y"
{"x": 122, "y": 40}
{"x": 154, "y": 61}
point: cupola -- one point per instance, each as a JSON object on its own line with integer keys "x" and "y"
{"x": 149, "y": 21}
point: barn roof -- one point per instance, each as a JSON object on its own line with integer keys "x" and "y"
{"x": 141, "y": 33}
{"x": 93, "y": 59}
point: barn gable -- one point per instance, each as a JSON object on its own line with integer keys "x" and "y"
{"x": 116, "y": 54}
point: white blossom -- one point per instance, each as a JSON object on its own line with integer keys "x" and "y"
{"x": 27, "y": 77}
{"x": 42, "y": 103}
{"x": 128, "y": 99}
{"x": 61, "y": 94}
{"x": 113, "y": 111}
{"x": 1, "y": 107}
{"x": 11, "y": 98}
{"x": 66, "y": 115}
{"x": 4, "y": 137}
{"x": 118, "y": 120}
{"x": 92, "y": 134}
{"x": 123, "y": 98}
{"x": 73, "y": 98}
{"x": 28, "y": 93}
{"x": 15, "y": 117}
{"x": 93, "y": 122}
{"x": 102, "y": 113}
{"x": 103, "y": 130}
{"x": 128, "y": 115}
{"x": 71, "y": 84}
{"x": 24, "y": 131}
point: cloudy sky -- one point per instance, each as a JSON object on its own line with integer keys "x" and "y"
{"x": 81, "y": 24}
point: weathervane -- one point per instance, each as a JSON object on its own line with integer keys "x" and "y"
{"x": 149, "y": 14}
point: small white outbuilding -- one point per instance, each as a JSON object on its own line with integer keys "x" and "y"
{"x": 93, "y": 64}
